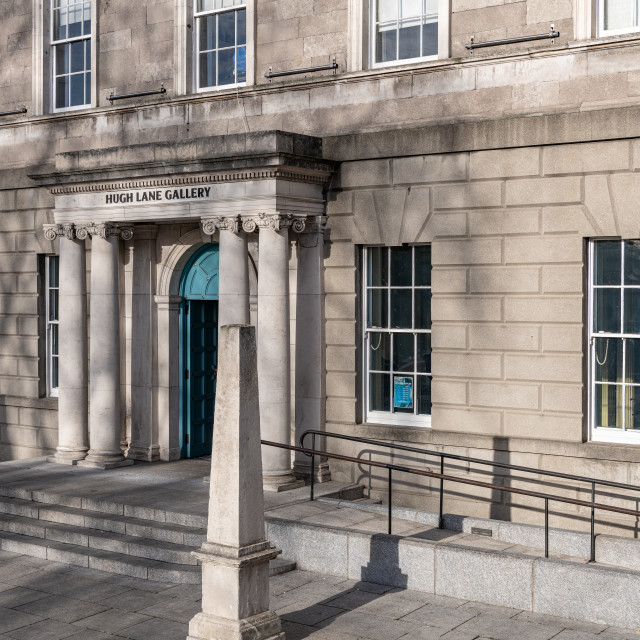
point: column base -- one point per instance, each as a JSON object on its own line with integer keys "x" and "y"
{"x": 302, "y": 471}
{"x": 147, "y": 454}
{"x": 264, "y": 626}
{"x": 104, "y": 462}
{"x": 67, "y": 457}
{"x": 278, "y": 483}
{"x": 169, "y": 454}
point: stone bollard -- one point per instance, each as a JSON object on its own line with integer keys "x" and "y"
{"x": 235, "y": 557}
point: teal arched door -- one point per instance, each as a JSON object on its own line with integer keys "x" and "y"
{"x": 198, "y": 351}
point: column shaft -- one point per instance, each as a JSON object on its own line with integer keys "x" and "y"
{"x": 233, "y": 288}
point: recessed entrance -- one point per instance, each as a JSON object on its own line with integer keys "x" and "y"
{"x": 198, "y": 351}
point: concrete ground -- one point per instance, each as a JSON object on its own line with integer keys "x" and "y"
{"x": 43, "y": 600}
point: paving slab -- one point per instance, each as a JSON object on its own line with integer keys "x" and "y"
{"x": 43, "y": 630}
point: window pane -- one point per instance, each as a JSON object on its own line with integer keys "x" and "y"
{"x": 403, "y": 352}
{"x": 87, "y": 88}
{"x": 205, "y": 5}
{"x": 377, "y": 309}
{"x": 377, "y": 267}
{"x": 59, "y": 24}
{"x": 227, "y": 29}
{"x": 226, "y": 69}
{"x": 62, "y": 91}
{"x": 632, "y": 400}
{"x": 87, "y": 57}
{"x": 242, "y": 26}
{"x": 53, "y": 271}
{"x": 54, "y": 340}
{"x": 401, "y": 266}
{"x": 75, "y": 21}
{"x": 423, "y": 266}
{"x": 424, "y": 395}
{"x": 608, "y": 406}
{"x": 207, "y": 69}
{"x": 410, "y": 8}
{"x": 606, "y": 310}
{"x": 424, "y": 353}
{"x": 632, "y": 365}
{"x": 620, "y": 14}
{"x": 632, "y": 263}
{"x": 379, "y": 393}
{"x": 430, "y": 39}
{"x": 77, "y": 56}
{"x": 387, "y": 10}
{"x": 632, "y": 311}
{"x": 386, "y": 41}
{"x": 608, "y": 359}
{"x": 77, "y": 90}
{"x": 62, "y": 59}
{"x": 241, "y": 64}
{"x": 379, "y": 351}
{"x": 86, "y": 28}
{"x": 207, "y": 33}
{"x": 401, "y": 308}
{"x": 608, "y": 260}
{"x": 53, "y": 304}
{"x": 409, "y": 39}
{"x": 423, "y": 308}
{"x": 54, "y": 373}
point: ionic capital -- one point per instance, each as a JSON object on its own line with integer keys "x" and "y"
{"x": 53, "y": 231}
{"x": 223, "y": 223}
{"x": 275, "y": 221}
{"x": 104, "y": 230}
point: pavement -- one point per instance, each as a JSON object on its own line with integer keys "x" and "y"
{"x": 44, "y": 600}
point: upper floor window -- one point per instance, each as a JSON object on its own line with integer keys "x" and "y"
{"x": 403, "y": 30}
{"x": 614, "y": 339}
{"x": 397, "y": 335}
{"x": 618, "y": 16}
{"x": 71, "y": 53}
{"x": 221, "y": 43}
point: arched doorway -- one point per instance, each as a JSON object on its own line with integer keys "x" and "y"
{"x": 198, "y": 351}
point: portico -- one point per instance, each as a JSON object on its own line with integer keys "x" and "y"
{"x": 121, "y": 374}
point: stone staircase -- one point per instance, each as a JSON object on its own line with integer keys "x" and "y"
{"x": 124, "y": 539}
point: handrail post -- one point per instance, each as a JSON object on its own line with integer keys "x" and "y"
{"x": 441, "y": 517}
{"x": 390, "y": 498}
{"x": 593, "y": 523}
{"x": 546, "y": 527}
{"x": 313, "y": 464}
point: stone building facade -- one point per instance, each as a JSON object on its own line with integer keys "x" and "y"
{"x": 437, "y": 244}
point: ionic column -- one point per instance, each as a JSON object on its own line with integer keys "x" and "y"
{"x": 104, "y": 354}
{"x": 144, "y": 442}
{"x": 73, "y": 434}
{"x": 274, "y": 376}
{"x": 233, "y": 271}
{"x": 310, "y": 348}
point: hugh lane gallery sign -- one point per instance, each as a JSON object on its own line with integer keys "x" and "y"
{"x": 157, "y": 195}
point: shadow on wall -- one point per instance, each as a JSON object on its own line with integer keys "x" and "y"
{"x": 501, "y": 500}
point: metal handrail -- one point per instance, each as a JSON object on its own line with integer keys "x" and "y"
{"x": 476, "y": 483}
{"x": 13, "y": 112}
{"x": 552, "y": 35}
{"x": 502, "y": 465}
{"x": 292, "y": 72}
{"x": 137, "y": 94}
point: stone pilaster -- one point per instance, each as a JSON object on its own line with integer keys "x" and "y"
{"x": 104, "y": 357}
{"x": 73, "y": 432}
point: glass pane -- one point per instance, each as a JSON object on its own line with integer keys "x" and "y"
{"x": 75, "y": 21}
{"x": 430, "y": 39}
{"x": 386, "y": 40}
{"x": 409, "y": 39}
{"x": 423, "y": 266}
{"x": 53, "y": 271}
{"x": 53, "y": 304}
{"x": 227, "y": 29}
{"x": 205, "y": 5}
{"x": 423, "y": 308}
{"x": 379, "y": 392}
{"x": 62, "y": 91}
{"x": 632, "y": 400}
{"x": 59, "y": 24}
{"x": 424, "y": 353}
{"x": 377, "y": 267}
{"x": 207, "y": 70}
{"x": 242, "y": 26}
{"x": 431, "y": 8}
{"x": 424, "y": 395}
{"x": 608, "y": 359}
{"x": 54, "y": 339}
{"x": 379, "y": 351}
{"x": 632, "y": 364}
{"x": 401, "y": 308}
{"x": 207, "y": 33}
{"x": 87, "y": 88}
{"x": 632, "y": 311}
{"x": 226, "y": 68}
{"x": 86, "y": 27}
{"x": 377, "y": 309}
{"x": 607, "y": 262}
{"x": 410, "y": 8}
{"x": 620, "y": 14}
{"x": 387, "y": 10}
{"x": 77, "y": 90}
{"x": 401, "y": 266}
{"x": 606, "y": 310}
{"x": 87, "y": 55}
{"x": 77, "y": 56}
{"x": 62, "y": 59}
{"x": 403, "y": 394}
{"x": 608, "y": 405}
{"x": 241, "y": 62}
{"x": 54, "y": 373}
{"x": 403, "y": 352}
{"x": 632, "y": 262}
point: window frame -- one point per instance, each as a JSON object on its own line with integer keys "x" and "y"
{"x": 51, "y": 45}
{"x": 613, "y": 32}
{"x": 197, "y": 17}
{"x": 607, "y": 434}
{"x": 443, "y": 18}
{"x": 391, "y": 417}
{"x": 51, "y": 391}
